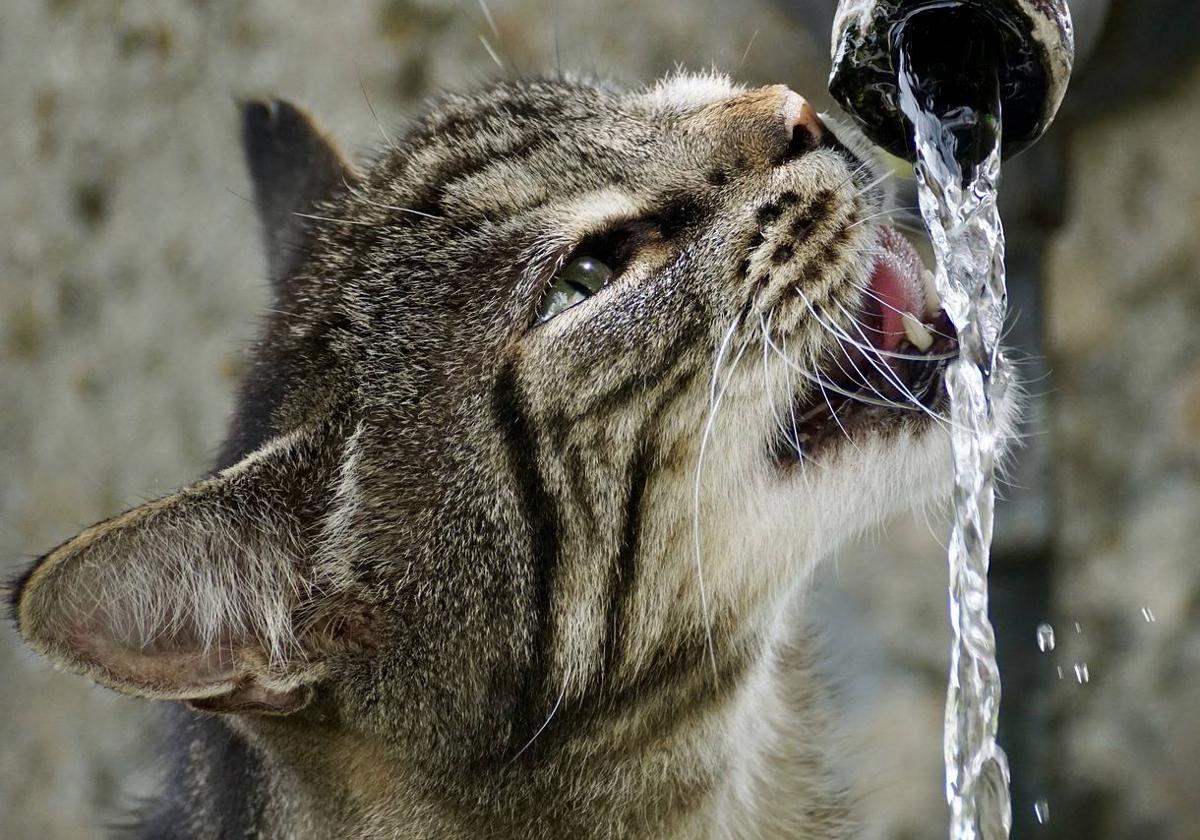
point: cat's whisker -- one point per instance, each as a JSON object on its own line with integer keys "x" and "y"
{"x": 865, "y": 344}
{"x": 545, "y": 723}
{"x": 801, "y": 455}
{"x": 824, "y": 388}
{"x": 854, "y": 173}
{"x": 409, "y": 210}
{"x": 783, "y": 423}
{"x": 312, "y": 216}
{"x": 899, "y": 220}
{"x": 881, "y": 214}
{"x": 879, "y": 181}
{"x": 370, "y": 107}
{"x": 842, "y": 336}
{"x": 715, "y": 398}
{"x": 764, "y": 327}
{"x": 363, "y": 198}
{"x": 1011, "y": 325}
{"x": 492, "y": 52}
{"x": 866, "y": 291}
{"x": 905, "y": 214}
{"x": 746, "y": 53}
{"x": 491, "y": 21}
{"x": 929, "y": 525}
{"x": 858, "y": 372}
{"x": 790, "y": 423}
{"x": 863, "y": 377}
{"x": 868, "y": 352}
{"x": 833, "y": 412}
{"x": 915, "y": 228}
{"x": 893, "y": 377}
{"x": 882, "y": 179}
{"x": 816, "y": 379}
{"x": 315, "y": 217}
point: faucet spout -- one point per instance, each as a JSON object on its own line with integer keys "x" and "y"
{"x": 960, "y": 53}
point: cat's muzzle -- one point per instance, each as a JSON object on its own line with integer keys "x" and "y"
{"x": 887, "y": 367}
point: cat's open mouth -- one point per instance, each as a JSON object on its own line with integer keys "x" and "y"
{"x": 888, "y": 364}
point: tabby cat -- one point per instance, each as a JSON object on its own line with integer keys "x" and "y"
{"x": 559, "y": 403}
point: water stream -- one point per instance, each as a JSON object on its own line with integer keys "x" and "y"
{"x": 957, "y": 169}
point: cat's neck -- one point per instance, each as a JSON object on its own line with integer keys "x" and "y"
{"x": 744, "y": 758}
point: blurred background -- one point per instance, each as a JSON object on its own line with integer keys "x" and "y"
{"x": 131, "y": 278}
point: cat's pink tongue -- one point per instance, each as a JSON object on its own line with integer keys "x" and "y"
{"x": 897, "y": 286}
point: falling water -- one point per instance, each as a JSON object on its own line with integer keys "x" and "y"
{"x": 1045, "y": 638}
{"x": 958, "y": 202}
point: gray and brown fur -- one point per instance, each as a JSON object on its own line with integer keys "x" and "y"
{"x": 462, "y": 574}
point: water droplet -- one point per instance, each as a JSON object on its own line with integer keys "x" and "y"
{"x": 1081, "y": 672}
{"x": 1078, "y": 629}
{"x": 1060, "y": 673}
{"x": 1045, "y": 638}
{"x": 1041, "y": 810}
{"x": 1148, "y": 614}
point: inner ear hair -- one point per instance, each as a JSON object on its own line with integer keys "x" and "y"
{"x": 196, "y": 596}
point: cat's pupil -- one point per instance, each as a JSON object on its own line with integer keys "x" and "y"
{"x": 586, "y": 274}
{"x": 578, "y": 280}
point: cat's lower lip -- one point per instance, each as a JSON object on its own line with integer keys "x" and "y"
{"x": 887, "y": 369}
{"x": 862, "y": 391}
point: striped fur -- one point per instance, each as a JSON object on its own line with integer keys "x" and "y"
{"x": 537, "y": 586}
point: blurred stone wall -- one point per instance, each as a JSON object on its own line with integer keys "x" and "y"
{"x": 1123, "y": 312}
{"x": 130, "y": 281}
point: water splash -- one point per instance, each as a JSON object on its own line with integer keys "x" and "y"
{"x": 957, "y": 185}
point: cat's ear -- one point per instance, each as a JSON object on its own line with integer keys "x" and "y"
{"x": 206, "y": 596}
{"x": 293, "y": 167}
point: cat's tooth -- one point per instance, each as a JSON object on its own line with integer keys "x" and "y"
{"x": 917, "y": 333}
{"x": 932, "y": 302}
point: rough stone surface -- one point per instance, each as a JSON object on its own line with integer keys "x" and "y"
{"x": 1123, "y": 305}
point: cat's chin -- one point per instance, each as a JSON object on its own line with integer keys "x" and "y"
{"x": 880, "y": 463}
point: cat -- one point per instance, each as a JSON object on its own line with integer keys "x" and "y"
{"x": 560, "y": 402}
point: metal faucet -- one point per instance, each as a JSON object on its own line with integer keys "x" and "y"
{"x": 957, "y": 50}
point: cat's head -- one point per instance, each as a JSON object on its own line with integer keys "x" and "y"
{"x": 565, "y": 378}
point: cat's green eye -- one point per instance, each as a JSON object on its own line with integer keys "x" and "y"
{"x": 577, "y": 281}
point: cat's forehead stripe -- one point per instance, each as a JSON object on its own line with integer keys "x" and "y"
{"x": 578, "y": 219}
{"x": 596, "y": 210}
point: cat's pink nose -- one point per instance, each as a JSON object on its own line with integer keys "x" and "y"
{"x": 802, "y": 117}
